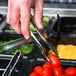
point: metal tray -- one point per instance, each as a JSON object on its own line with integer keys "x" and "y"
{"x": 40, "y": 62}
{"x": 4, "y": 61}
{"x": 25, "y": 66}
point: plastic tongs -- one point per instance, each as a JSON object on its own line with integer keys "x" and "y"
{"x": 11, "y": 68}
{"x": 48, "y": 46}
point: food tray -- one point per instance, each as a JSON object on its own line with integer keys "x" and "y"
{"x": 25, "y": 66}
{"x": 63, "y": 31}
{"x": 40, "y": 62}
{"x": 4, "y": 61}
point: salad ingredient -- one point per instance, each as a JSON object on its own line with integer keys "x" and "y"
{"x": 66, "y": 51}
{"x": 56, "y": 70}
{"x": 71, "y": 71}
{"x": 33, "y": 74}
{"x": 54, "y": 61}
{"x": 47, "y": 72}
{"x": 38, "y": 69}
{"x": 47, "y": 65}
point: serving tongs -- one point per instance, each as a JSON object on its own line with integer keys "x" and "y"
{"x": 6, "y": 47}
{"x": 16, "y": 43}
{"x": 11, "y": 68}
{"x": 47, "y": 45}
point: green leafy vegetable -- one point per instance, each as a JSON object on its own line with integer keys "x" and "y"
{"x": 25, "y": 49}
{"x": 45, "y": 22}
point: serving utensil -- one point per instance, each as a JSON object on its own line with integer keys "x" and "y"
{"x": 6, "y": 47}
{"x": 48, "y": 46}
{"x": 21, "y": 41}
{"x": 12, "y": 64}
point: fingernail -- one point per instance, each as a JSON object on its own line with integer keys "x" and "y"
{"x": 41, "y": 27}
{"x": 27, "y": 37}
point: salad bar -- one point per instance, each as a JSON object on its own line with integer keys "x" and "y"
{"x": 25, "y": 66}
{"x": 20, "y": 57}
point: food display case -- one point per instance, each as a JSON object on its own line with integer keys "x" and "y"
{"x": 24, "y": 65}
{"x": 61, "y": 29}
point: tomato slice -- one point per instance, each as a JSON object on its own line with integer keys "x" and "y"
{"x": 38, "y": 69}
{"x": 33, "y": 74}
{"x": 71, "y": 71}
{"x": 62, "y": 75}
{"x": 58, "y": 71}
{"x": 54, "y": 61}
{"x": 47, "y": 72}
{"x": 47, "y": 65}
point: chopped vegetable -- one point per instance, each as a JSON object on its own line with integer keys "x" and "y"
{"x": 54, "y": 61}
{"x": 45, "y": 21}
{"x": 48, "y": 70}
{"x": 65, "y": 51}
{"x": 25, "y": 49}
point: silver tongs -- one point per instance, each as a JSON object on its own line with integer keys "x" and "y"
{"x": 48, "y": 46}
{"x": 12, "y": 64}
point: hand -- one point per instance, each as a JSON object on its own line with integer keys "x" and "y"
{"x": 18, "y": 15}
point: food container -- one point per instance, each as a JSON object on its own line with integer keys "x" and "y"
{"x": 26, "y": 65}
{"x": 57, "y": 35}
{"x": 64, "y": 33}
{"x": 64, "y": 28}
{"x": 5, "y": 60}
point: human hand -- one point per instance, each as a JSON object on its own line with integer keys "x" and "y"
{"x": 19, "y": 12}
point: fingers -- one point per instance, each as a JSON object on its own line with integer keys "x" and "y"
{"x": 38, "y": 13}
{"x": 13, "y": 15}
{"x": 15, "y": 21}
{"x": 33, "y": 3}
{"x": 17, "y": 28}
{"x": 9, "y": 11}
{"x": 25, "y": 17}
{"x": 23, "y": 7}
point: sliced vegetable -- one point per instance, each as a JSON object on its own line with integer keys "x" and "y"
{"x": 33, "y": 74}
{"x": 54, "y": 61}
{"x": 47, "y": 65}
{"x": 38, "y": 69}
{"x": 71, "y": 71}
{"x": 58, "y": 71}
{"x": 47, "y": 72}
{"x": 25, "y": 49}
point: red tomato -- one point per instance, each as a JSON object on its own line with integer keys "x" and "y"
{"x": 47, "y": 65}
{"x": 38, "y": 69}
{"x": 33, "y": 74}
{"x": 71, "y": 71}
{"x": 47, "y": 72}
{"x": 54, "y": 61}
{"x": 47, "y": 61}
{"x": 58, "y": 71}
{"x": 62, "y": 75}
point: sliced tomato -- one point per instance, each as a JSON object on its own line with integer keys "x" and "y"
{"x": 47, "y": 65}
{"x": 47, "y": 72}
{"x": 71, "y": 71}
{"x": 33, "y": 74}
{"x": 58, "y": 71}
{"x": 38, "y": 69}
{"x": 62, "y": 75}
{"x": 54, "y": 61}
